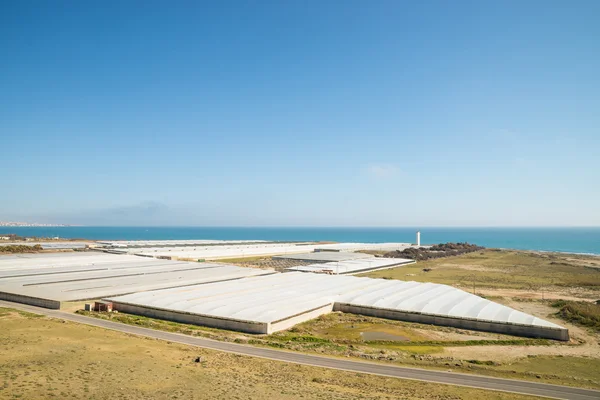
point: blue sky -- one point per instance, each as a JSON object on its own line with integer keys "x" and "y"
{"x": 316, "y": 113}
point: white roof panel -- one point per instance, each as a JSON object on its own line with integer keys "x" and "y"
{"x": 73, "y": 276}
{"x": 278, "y": 296}
{"x": 353, "y": 266}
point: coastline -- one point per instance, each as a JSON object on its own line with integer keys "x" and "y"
{"x": 578, "y": 241}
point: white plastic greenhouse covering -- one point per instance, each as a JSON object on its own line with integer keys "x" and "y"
{"x": 438, "y": 300}
{"x": 267, "y": 304}
{"x": 158, "y": 243}
{"x": 53, "y": 260}
{"x": 235, "y": 250}
{"x": 353, "y": 266}
{"x": 48, "y": 279}
{"x": 324, "y": 256}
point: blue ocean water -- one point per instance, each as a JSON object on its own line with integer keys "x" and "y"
{"x": 574, "y": 240}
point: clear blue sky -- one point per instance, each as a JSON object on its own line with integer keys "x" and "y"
{"x": 383, "y": 113}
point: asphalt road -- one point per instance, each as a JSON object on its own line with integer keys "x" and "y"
{"x": 449, "y": 378}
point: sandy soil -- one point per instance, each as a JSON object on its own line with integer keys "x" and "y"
{"x": 42, "y": 358}
{"x": 471, "y": 267}
{"x": 583, "y": 342}
{"x": 588, "y": 262}
{"x": 576, "y": 294}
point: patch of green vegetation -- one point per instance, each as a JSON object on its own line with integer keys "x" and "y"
{"x": 29, "y": 315}
{"x": 462, "y": 343}
{"x": 302, "y": 339}
{"x": 479, "y": 362}
{"x": 158, "y": 324}
{"x": 414, "y": 348}
{"x": 7, "y": 311}
{"x": 351, "y": 332}
{"x": 552, "y": 367}
{"x": 20, "y": 248}
{"x": 432, "y": 347}
{"x": 579, "y": 312}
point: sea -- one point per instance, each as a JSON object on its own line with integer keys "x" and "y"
{"x": 570, "y": 240}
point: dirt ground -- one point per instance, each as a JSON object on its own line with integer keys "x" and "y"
{"x": 46, "y": 358}
{"x": 584, "y": 342}
{"x": 529, "y": 282}
{"x": 526, "y": 272}
{"x": 554, "y": 293}
{"x": 279, "y": 265}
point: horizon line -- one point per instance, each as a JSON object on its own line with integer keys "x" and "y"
{"x": 311, "y": 226}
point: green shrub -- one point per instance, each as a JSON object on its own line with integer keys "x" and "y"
{"x": 308, "y": 339}
{"x": 479, "y": 362}
{"x": 20, "y": 248}
{"x": 579, "y": 312}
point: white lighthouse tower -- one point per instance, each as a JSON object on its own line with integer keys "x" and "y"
{"x": 418, "y": 238}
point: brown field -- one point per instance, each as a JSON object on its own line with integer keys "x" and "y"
{"x": 46, "y": 358}
{"x": 511, "y": 273}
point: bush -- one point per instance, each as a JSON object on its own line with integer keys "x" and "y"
{"x": 20, "y": 248}
{"x": 579, "y": 312}
{"x": 308, "y": 339}
{"x": 435, "y": 251}
{"x": 479, "y": 362}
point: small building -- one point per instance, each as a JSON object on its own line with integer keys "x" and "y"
{"x": 103, "y": 306}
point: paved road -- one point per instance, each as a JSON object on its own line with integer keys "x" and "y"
{"x": 450, "y": 378}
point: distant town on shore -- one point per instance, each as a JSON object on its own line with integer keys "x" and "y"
{"x": 11, "y": 223}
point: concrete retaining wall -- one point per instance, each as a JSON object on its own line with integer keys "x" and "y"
{"x": 509, "y": 329}
{"x": 268, "y": 328}
{"x": 362, "y": 271}
{"x": 296, "y": 319}
{"x": 195, "y": 319}
{"x": 33, "y": 301}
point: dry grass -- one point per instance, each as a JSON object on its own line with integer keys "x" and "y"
{"x": 581, "y": 313}
{"x": 504, "y": 269}
{"x": 338, "y": 334}
{"x": 19, "y": 248}
{"x": 46, "y": 358}
{"x": 576, "y": 363}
